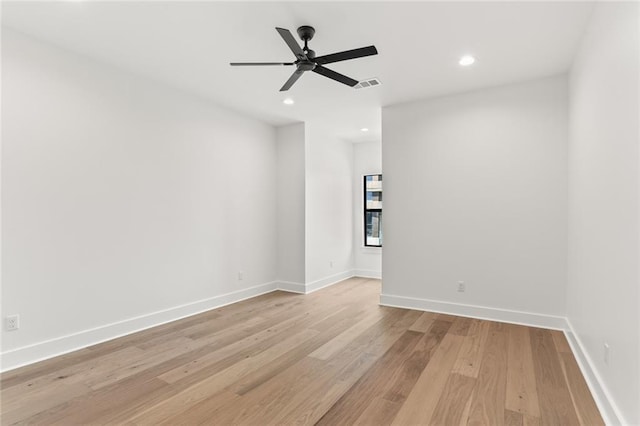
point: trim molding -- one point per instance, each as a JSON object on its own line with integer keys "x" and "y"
{"x": 291, "y": 287}
{"x": 327, "y": 281}
{"x": 608, "y": 409}
{"x": 474, "y": 311}
{"x": 40, "y": 351}
{"x": 367, "y": 273}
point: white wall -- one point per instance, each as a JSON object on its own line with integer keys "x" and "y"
{"x": 122, "y": 197}
{"x": 367, "y": 160}
{"x": 476, "y": 191}
{"x": 291, "y": 205}
{"x": 329, "y": 206}
{"x": 602, "y": 296}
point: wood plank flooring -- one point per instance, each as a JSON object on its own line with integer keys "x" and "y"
{"x": 332, "y": 357}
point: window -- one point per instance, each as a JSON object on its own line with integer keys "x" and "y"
{"x": 373, "y": 210}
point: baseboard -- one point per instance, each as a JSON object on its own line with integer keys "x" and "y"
{"x": 291, "y": 287}
{"x": 19, "y": 357}
{"x": 367, "y": 273}
{"x": 473, "y": 311}
{"x": 327, "y": 281}
{"x": 608, "y": 409}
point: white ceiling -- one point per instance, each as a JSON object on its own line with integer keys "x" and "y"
{"x": 189, "y": 45}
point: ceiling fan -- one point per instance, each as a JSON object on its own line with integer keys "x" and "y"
{"x": 306, "y": 59}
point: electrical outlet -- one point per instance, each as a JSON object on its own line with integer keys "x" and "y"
{"x": 240, "y": 276}
{"x": 461, "y": 286}
{"x": 331, "y": 264}
{"x": 607, "y": 353}
{"x": 12, "y": 322}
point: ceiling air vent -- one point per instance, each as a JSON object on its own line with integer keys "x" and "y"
{"x": 370, "y": 82}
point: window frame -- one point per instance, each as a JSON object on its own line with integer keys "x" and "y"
{"x": 366, "y": 210}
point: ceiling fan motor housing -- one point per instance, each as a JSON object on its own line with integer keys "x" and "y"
{"x": 305, "y": 65}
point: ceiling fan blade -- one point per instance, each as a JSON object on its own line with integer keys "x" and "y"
{"x": 335, "y": 75}
{"x": 291, "y": 42}
{"x": 346, "y": 55}
{"x": 245, "y": 64}
{"x": 294, "y": 77}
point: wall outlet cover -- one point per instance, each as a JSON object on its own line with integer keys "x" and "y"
{"x": 12, "y": 322}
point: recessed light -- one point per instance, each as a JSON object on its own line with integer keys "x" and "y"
{"x": 364, "y": 129}
{"x": 288, "y": 101}
{"x": 466, "y": 60}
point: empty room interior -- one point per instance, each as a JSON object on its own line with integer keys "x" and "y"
{"x": 335, "y": 213}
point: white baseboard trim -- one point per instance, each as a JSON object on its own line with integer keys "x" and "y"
{"x": 367, "y": 273}
{"x": 473, "y": 311}
{"x": 327, "y": 281}
{"x": 29, "y": 354}
{"x": 608, "y": 409}
{"x": 291, "y": 287}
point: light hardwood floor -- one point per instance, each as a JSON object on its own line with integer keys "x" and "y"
{"x": 332, "y": 357}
